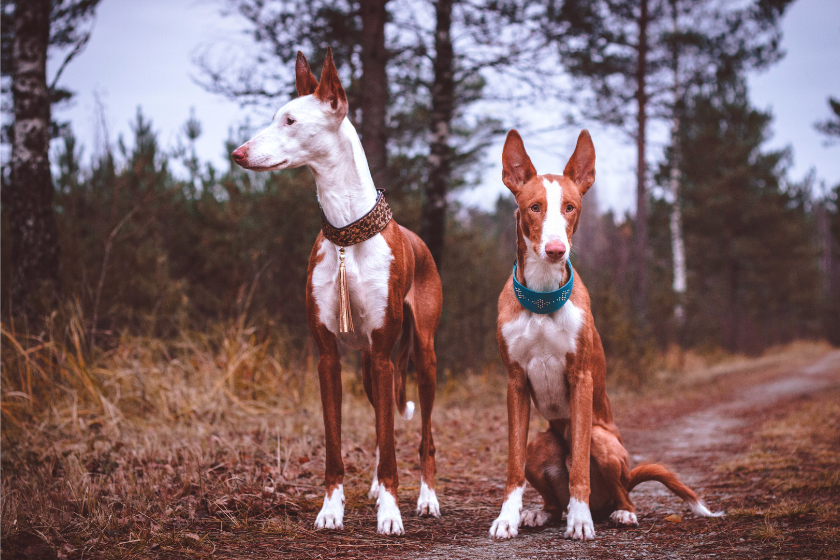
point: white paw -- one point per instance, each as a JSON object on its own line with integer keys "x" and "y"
{"x": 506, "y": 526}
{"x": 374, "y": 485}
{"x": 388, "y": 518}
{"x": 700, "y": 510}
{"x": 534, "y": 518}
{"x": 331, "y": 515}
{"x": 623, "y": 517}
{"x": 409, "y": 410}
{"x": 427, "y": 503}
{"x": 579, "y": 526}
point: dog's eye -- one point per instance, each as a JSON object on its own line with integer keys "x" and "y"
{"x": 290, "y": 120}
{"x": 535, "y": 208}
{"x": 569, "y": 208}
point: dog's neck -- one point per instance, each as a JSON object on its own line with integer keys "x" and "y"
{"x": 534, "y": 272}
{"x": 342, "y": 177}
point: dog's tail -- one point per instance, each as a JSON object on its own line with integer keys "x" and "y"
{"x": 652, "y": 471}
{"x": 406, "y": 409}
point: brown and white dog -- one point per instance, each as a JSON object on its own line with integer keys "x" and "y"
{"x": 393, "y": 283}
{"x": 558, "y": 360}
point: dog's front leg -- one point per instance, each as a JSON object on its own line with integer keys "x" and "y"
{"x": 331, "y": 515}
{"x": 519, "y": 410}
{"x": 388, "y": 518}
{"x": 579, "y": 524}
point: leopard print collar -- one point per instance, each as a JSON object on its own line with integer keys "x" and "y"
{"x": 362, "y": 229}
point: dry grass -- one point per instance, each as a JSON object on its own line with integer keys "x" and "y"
{"x": 214, "y": 441}
{"x": 767, "y": 532}
{"x": 168, "y": 447}
{"x": 790, "y": 474}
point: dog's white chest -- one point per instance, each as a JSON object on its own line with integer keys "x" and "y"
{"x": 539, "y": 344}
{"x": 368, "y": 267}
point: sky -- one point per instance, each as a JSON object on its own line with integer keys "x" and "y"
{"x": 142, "y": 53}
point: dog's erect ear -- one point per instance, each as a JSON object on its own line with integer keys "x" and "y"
{"x": 330, "y": 90}
{"x": 517, "y": 168}
{"x": 305, "y": 81}
{"x": 581, "y": 166}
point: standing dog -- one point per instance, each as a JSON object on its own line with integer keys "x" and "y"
{"x": 392, "y": 281}
{"x": 554, "y": 355}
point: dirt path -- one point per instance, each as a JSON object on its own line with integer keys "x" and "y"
{"x": 693, "y": 444}
{"x": 696, "y": 441}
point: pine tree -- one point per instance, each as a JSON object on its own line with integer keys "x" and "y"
{"x": 623, "y": 50}
{"x": 753, "y": 262}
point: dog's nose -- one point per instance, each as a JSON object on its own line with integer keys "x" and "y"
{"x": 555, "y": 249}
{"x": 240, "y": 154}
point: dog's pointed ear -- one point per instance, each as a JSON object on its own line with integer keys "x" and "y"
{"x": 330, "y": 89}
{"x": 581, "y": 166}
{"x": 517, "y": 168}
{"x": 305, "y": 80}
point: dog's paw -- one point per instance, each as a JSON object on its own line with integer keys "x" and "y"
{"x": 624, "y": 518}
{"x": 388, "y": 518}
{"x": 427, "y": 503}
{"x": 534, "y": 518}
{"x": 331, "y": 515}
{"x": 579, "y": 526}
{"x": 506, "y": 526}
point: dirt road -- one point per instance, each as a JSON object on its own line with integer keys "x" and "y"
{"x": 693, "y": 444}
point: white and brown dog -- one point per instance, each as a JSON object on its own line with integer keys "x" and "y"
{"x": 557, "y": 359}
{"x": 393, "y": 284}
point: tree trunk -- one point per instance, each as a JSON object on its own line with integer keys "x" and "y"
{"x": 677, "y": 240}
{"x": 440, "y": 159}
{"x": 374, "y": 89}
{"x": 32, "y": 227}
{"x": 641, "y": 169}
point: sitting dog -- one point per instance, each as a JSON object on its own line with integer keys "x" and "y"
{"x": 554, "y": 356}
{"x": 363, "y": 266}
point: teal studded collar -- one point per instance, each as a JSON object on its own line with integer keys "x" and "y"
{"x": 543, "y": 302}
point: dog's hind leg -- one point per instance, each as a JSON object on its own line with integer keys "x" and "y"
{"x": 425, "y": 364}
{"x": 545, "y": 470}
{"x": 613, "y": 465}
{"x": 423, "y": 304}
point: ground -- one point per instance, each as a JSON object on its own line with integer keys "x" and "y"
{"x": 756, "y": 438}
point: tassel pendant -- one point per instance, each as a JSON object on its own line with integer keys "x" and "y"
{"x": 345, "y": 319}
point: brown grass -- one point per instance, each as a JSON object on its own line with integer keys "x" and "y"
{"x": 213, "y": 441}
{"x": 790, "y": 473}
{"x": 156, "y": 446}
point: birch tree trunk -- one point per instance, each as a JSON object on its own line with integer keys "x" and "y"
{"x": 433, "y": 226}
{"x": 32, "y": 227}
{"x": 677, "y": 241}
{"x": 641, "y": 167}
